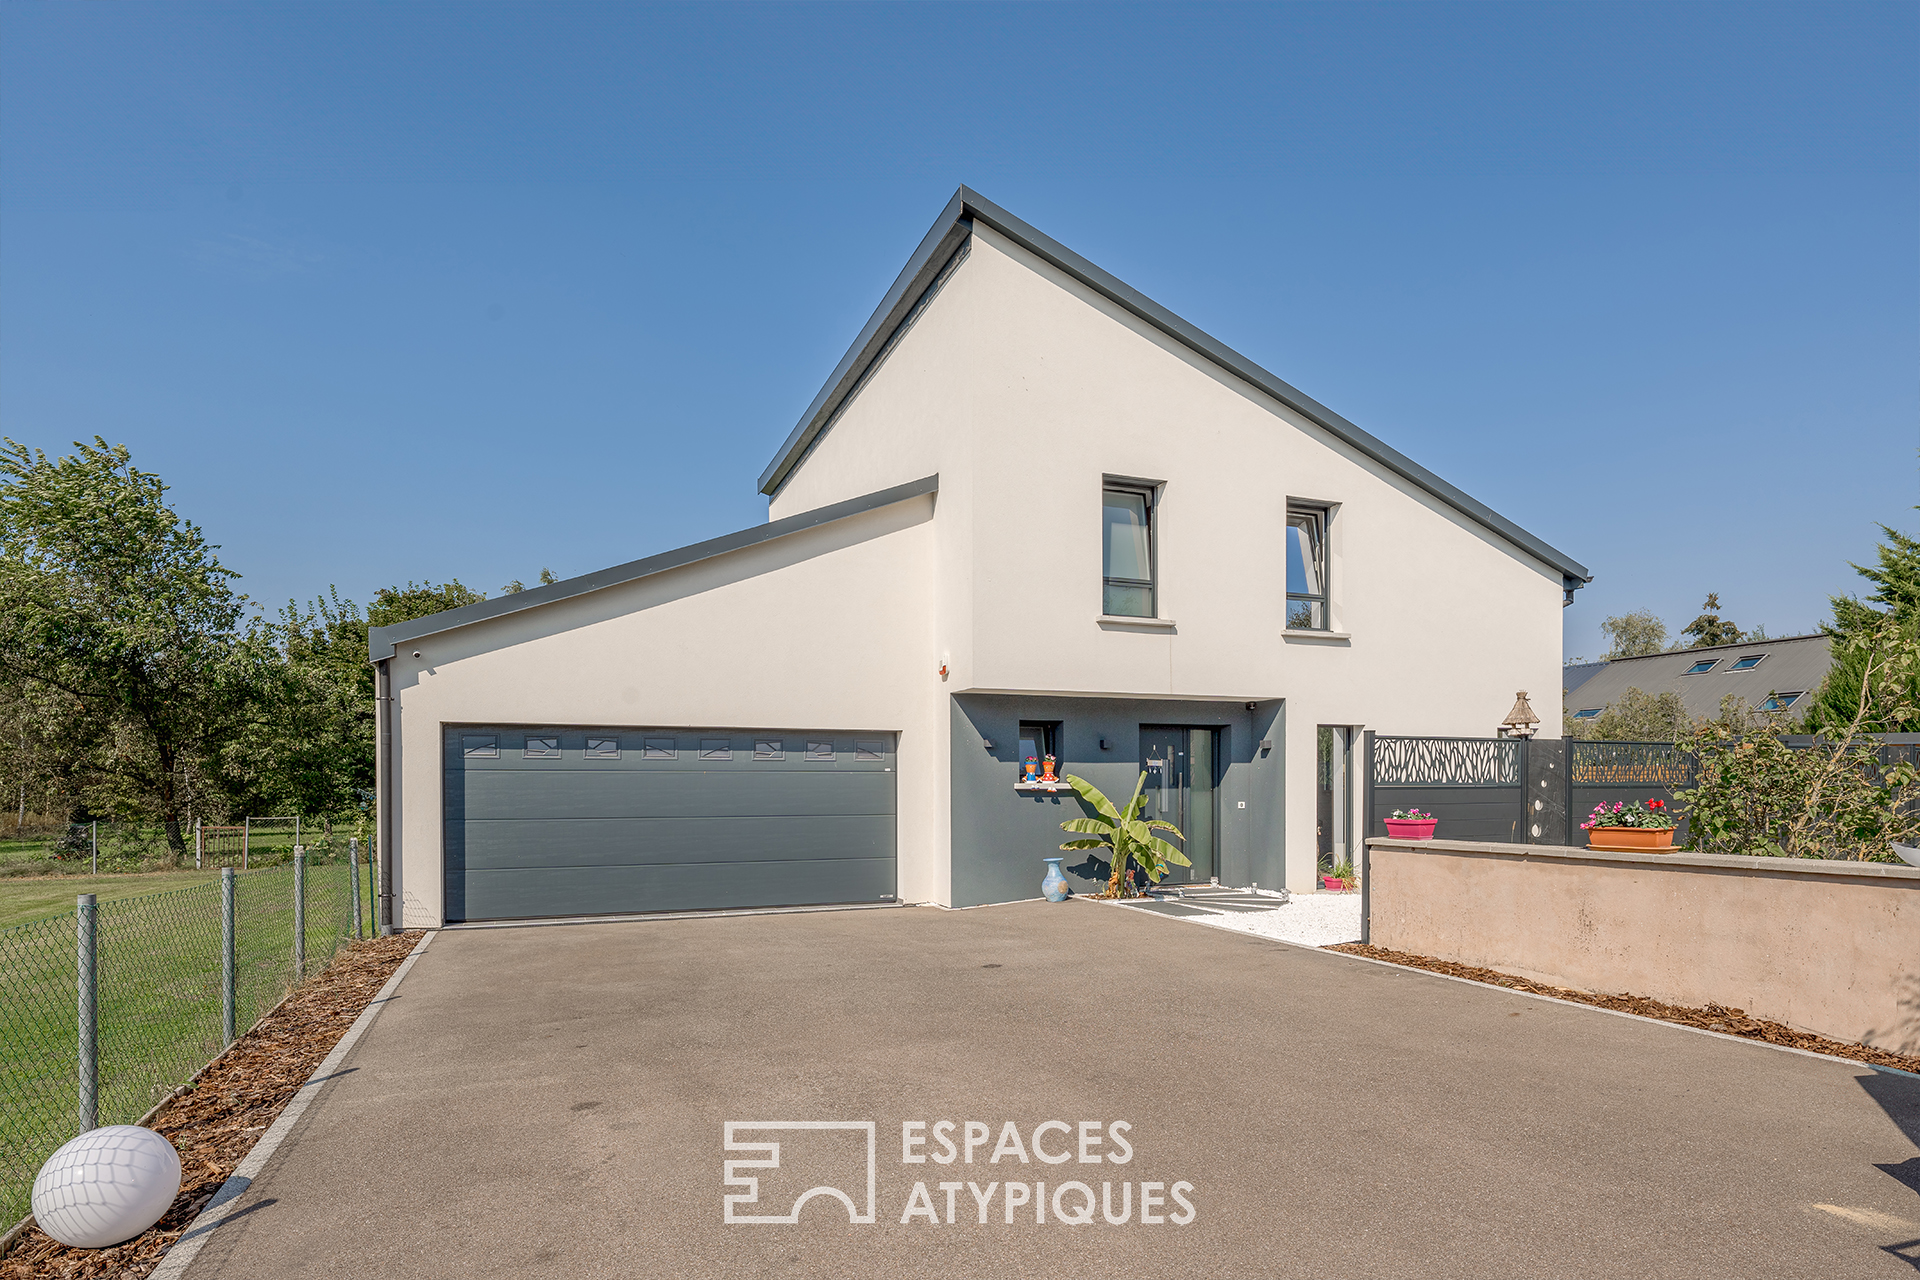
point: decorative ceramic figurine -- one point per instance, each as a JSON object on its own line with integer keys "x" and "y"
{"x": 1033, "y": 773}
{"x": 1053, "y": 884}
{"x": 1047, "y": 775}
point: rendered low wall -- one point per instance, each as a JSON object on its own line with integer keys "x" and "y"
{"x": 1828, "y": 947}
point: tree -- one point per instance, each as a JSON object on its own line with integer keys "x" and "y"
{"x": 1124, "y": 835}
{"x": 117, "y": 618}
{"x": 546, "y": 580}
{"x": 1634, "y": 635}
{"x": 1754, "y": 794}
{"x": 314, "y": 749}
{"x": 1710, "y": 628}
{"x": 1896, "y": 581}
{"x": 1638, "y": 716}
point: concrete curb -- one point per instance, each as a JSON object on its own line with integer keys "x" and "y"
{"x": 1534, "y": 995}
{"x": 174, "y": 1263}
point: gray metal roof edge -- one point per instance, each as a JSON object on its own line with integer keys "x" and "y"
{"x": 392, "y": 636}
{"x": 935, "y": 248}
{"x": 1709, "y": 648}
{"x": 968, "y": 205}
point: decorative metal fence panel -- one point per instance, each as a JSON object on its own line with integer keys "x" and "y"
{"x": 1474, "y": 786}
{"x": 1447, "y": 762}
{"x": 160, "y": 1000}
{"x": 1622, "y": 773}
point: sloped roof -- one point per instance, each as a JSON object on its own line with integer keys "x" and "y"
{"x": 381, "y": 641}
{"x": 1793, "y": 664}
{"x": 955, "y": 224}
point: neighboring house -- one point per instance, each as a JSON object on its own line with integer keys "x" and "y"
{"x": 1769, "y": 675}
{"x": 1575, "y": 674}
{"x": 1031, "y": 512}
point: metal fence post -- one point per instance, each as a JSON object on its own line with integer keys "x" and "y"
{"x": 299, "y": 913}
{"x": 246, "y": 839}
{"x": 1366, "y": 850}
{"x": 89, "y": 1010}
{"x": 353, "y": 876}
{"x": 199, "y": 845}
{"x": 96, "y": 846}
{"x": 227, "y": 965}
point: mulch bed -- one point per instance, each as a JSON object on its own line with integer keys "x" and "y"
{"x": 216, "y": 1121}
{"x": 1732, "y": 1022}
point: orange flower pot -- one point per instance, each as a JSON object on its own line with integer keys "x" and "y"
{"x": 1631, "y": 839}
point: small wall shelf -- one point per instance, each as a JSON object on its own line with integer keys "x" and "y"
{"x": 1044, "y": 789}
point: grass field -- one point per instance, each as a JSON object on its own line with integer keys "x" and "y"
{"x": 36, "y": 897}
{"x": 160, "y": 998}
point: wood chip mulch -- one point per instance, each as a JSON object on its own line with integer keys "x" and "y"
{"x": 218, "y": 1118}
{"x": 1732, "y": 1022}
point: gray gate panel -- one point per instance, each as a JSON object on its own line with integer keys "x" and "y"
{"x": 645, "y": 841}
{"x": 588, "y": 793}
{"x": 552, "y": 891}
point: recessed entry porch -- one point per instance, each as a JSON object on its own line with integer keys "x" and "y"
{"x": 1206, "y": 771}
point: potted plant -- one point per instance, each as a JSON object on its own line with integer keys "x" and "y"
{"x": 1630, "y": 827}
{"x": 1342, "y": 879}
{"x": 1411, "y": 824}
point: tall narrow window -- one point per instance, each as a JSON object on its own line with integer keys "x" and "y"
{"x": 1306, "y": 568}
{"x": 1126, "y": 552}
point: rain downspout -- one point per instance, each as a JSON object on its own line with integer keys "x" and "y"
{"x": 383, "y": 803}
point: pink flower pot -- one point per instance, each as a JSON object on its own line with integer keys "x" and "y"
{"x": 1332, "y": 882}
{"x": 1407, "y": 829}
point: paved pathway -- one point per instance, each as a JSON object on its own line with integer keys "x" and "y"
{"x": 552, "y": 1101}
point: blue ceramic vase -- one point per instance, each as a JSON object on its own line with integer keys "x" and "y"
{"x": 1053, "y": 884}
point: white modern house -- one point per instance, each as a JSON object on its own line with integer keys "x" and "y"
{"x": 1030, "y": 513}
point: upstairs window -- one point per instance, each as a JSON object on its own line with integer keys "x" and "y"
{"x": 1747, "y": 663}
{"x": 1126, "y": 551}
{"x": 1588, "y": 713}
{"x": 1781, "y": 701}
{"x": 1306, "y": 567}
{"x": 1701, "y": 667}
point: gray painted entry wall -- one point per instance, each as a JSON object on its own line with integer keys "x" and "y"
{"x": 551, "y": 822}
{"x": 1000, "y": 835}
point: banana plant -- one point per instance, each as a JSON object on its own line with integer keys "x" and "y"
{"x": 1124, "y": 834}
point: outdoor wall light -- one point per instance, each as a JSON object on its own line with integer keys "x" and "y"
{"x": 987, "y": 743}
{"x": 1104, "y": 746}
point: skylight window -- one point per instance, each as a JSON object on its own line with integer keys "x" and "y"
{"x": 1701, "y": 667}
{"x": 1781, "y": 701}
{"x": 1748, "y": 663}
{"x": 1588, "y": 713}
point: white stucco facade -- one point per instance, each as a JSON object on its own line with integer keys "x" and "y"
{"x": 1020, "y": 387}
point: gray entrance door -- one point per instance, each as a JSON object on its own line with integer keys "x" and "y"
{"x": 553, "y": 822}
{"x": 1180, "y": 790}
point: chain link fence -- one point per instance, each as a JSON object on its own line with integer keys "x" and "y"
{"x": 110, "y": 846}
{"x": 161, "y": 1003}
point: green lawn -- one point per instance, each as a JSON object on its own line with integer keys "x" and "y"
{"x": 26, "y": 898}
{"x": 160, "y": 999}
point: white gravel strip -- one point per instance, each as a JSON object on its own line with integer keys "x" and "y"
{"x": 1310, "y": 919}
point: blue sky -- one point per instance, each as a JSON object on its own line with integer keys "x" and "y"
{"x": 391, "y": 292}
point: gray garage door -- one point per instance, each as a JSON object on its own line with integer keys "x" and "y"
{"x": 560, "y": 822}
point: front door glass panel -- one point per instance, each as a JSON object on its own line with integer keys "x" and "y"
{"x": 1180, "y": 768}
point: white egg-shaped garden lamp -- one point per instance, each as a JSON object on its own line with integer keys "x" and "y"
{"x": 106, "y": 1186}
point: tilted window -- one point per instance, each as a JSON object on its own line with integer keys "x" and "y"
{"x": 1126, "y": 552}
{"x": 1306, "y": 568}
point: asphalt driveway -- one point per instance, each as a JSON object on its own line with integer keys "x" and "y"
{"x": 554, "y": 1101}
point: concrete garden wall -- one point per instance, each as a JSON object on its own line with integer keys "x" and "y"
{"x": 1828, "y": 947}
